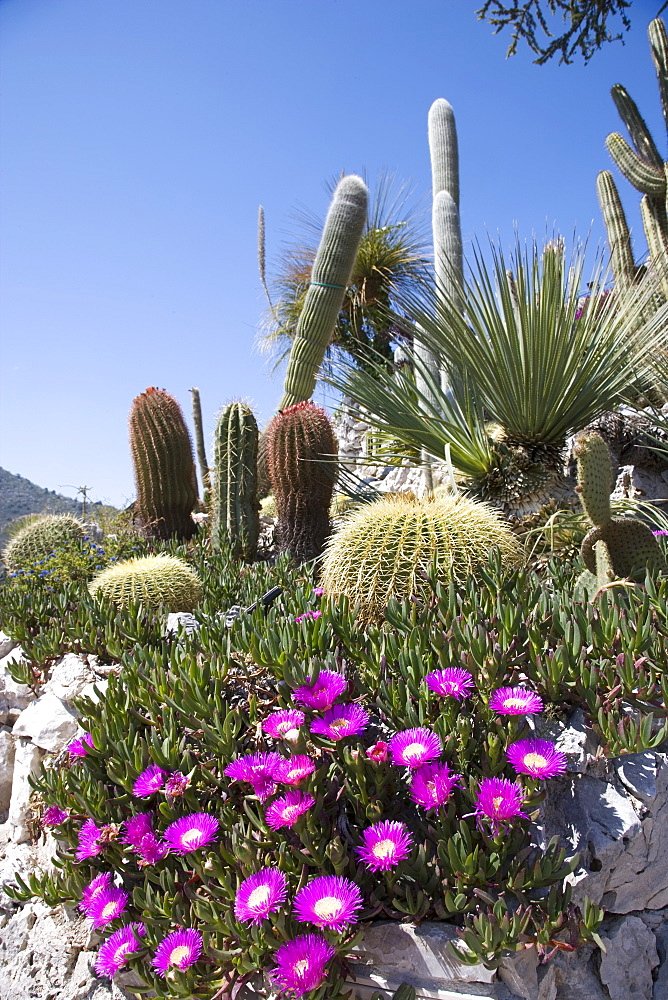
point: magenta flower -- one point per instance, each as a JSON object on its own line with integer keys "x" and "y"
{"x": 293, "y": 770}
{"x": 660, "y": 533}
{"x": 301, "y": 964}
{"x": 151, "y": 850}
{"x": 179, "y": 950}
{"x": 54, "y": 816}
{"x": 539, "y": 758}
{"x": 318, "y": 591}
{"x": 79, "y": 747}
{"x": 137, "y": 827}
{"x": 378, "y": 752}
{"x": 384, "y": 845}
{"x": 287, "y": 809}
{"x": 414, "y": 747}
{"x": 308, "y": 616}
{"x": 432, "y": 785}
{"x": 321, "y": 694}
{"x": 499, "y": 801}
{"x": 284, "y": 724}
{"x": 257, "y": 769}
{"x": 453, "y": 682}
{"x": 515, "y": 701}
{"x": 192, "y": 832}
{"x": 328, "y": 901}
{"x": 149, "y": 781}
{"x": 341, "y": 721}
{"x": 88, "y": 843}
{"x": 108, "y": 904}
{"x": 118, "y": 948}
{"x": 176, "y": 785}
{"x": 100, "y": 882}
{"x": 259, "y": 895}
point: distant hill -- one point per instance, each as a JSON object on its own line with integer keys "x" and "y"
{"x": 18, "y": 497}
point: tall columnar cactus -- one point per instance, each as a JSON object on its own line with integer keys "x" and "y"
{"x": 303, "y": 468}
{"x": 644, "y": 167}
{"x": 235, "y": 508}
{"x": 163, "y": 463}
{"x": 199, "y": 441}
{"x": 330, "y": 276}
{"x": 387, "y": 548}
{"x": 155, "y": 581}
{"x": 630, "y": 546}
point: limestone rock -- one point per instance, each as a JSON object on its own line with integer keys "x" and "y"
{"x": 12, "y": 694}
{"x": 6, "y": 769}
{"x": 7, "y": 644}
{"x": 576, "y": 740}
{"x": 69, "y": 676}
{"x": 638, "y": 773}
{"x": 627, "y": 963}
{"x": 519, "y": 972}
{"x": 47, "y": 722}
{"x": 27, "y": 758}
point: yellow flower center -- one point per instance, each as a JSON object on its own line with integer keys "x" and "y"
{"x": 301, "y": 967}
{"x": 413, "y": 750}
{"x": 497, "y": 802}
{"x": 190, "y": 837}
{"x": 259, "y": 896}
{"x": 120, "y": 953}
{"x": 109, "y": 910}
{"x": 328, "y": 907}
{"x": 535, "y": 760}
{"x": 291, "y": 812}
{"x": 514, "y": 703}
{"x": 179, "y": 954}
{"x": 339, "y": 724}
{"x": 384, "y": 849}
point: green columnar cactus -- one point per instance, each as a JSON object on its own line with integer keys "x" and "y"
{"x": 39, "y": 538}
{"x": 387, "y": 548}
{"x": 162, "y": 581}
{"x": 163, "y": 463}
{"x": 302, "y": 466}
{"x": 631, "y": 546}
{"x": 235, "y": 517}
{"x": 624, "y": 266}
{"x": 331, "y": 272}
{"x": 199, "y": 441}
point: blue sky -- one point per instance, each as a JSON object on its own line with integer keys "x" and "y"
{"x": 140, "y": 136}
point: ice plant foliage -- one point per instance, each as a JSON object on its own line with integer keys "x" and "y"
{"x": 287, "y": 809}
{"x": 538, "y": 758}
{"x": 190, "y": 833}
{"x": 320, "y": 694}
{"x": 414, "y": 747}
{"x": 499, "y": 801}
{"x": 515, "y": 701}
{"x": 452, "y": 682}
{"x": 432, "y": 785}
{"x": 293, "y": 770}
{"x": 341, "y": 721}
{"x": 283, "y": 724}
{"x": 149, "y": 782}
{"x": 328, "y": 902}
{"x": 259, "y": 895}
{"x": 118, "y": 948}
{"x": 179, "y": 950}
{"x": 385, "y": 845}
{"x": 108, "y": 904}
{"x": 301, "y": 964}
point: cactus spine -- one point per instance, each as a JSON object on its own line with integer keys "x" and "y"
{"x": 302, "y": 466}
{"x": 163, "y": 464}
{"x": 331, "y": 272}
{"x": 235, "y": 517}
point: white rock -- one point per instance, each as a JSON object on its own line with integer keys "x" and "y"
{"x": 27, "y": 758}
{"x": 6, "y": 769}
{"x": 575, "y": 739}
{"x": 627, "y": 963}
{"x": 69, "y": 676}
{"x": 12, "y": 694}
{"x": 7, "y": 644}
{"x": 638, "y": 773}
{"x": 179, "y": 621}
{"x": 91, "y": 690}
{"x": 47, "y": 722}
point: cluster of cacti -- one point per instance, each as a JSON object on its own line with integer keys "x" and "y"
{"x": 644, "y": 167}
{"x": 302, "y": 464}
{"x": 235, "y": 519}
{"x": 387, "y": 549}
{"x": 164, "y": 468}
{"x": 41, "y": 537}
{"x": 162, "y": 581}
{"x": 330, "y": 276}
{"x": 615, "y": 547}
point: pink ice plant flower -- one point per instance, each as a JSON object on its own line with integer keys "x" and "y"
{"x": 515, "y": 701}
{"x": 101, "y": 882}
{"x": 385, "y": 845}
{"x": 287, "y": 809}
{"x": 179, "y": 950}
{"x": 137, "y": 827}
{"x": 149, "y": 781}
{"x": 115, "y": 953}
{"x": 80, "y": 746}
{"x": 538, "y": 758}
{"x": 329, "y": 901}
{"x": 452, "y": 682}
{"x": 139, "y": 834}
{"x": 259, "y": 895}
{"x": 88, "y": 843}
{"x": 283, "y": 724}
{"x": 301, "y": 964}
{"x": 107, "y": 905}
{"x": 432, "y": 785}
{"x": 190, "y": 833}
{"x": 415, "y": 747}
{"x": 176, "y": 785}
{"x": 499, "y": 801}
{"x": 318, "y": 591}
{"x": 378, "y": 753}
{"x": 308, "y": 616}
{"x": 293, "y": 770}
{"x": 341, "y": 721}
{"x": 320, "y": 694}
{"x": 54, "y": 816}
{"x": 257, "y": 769}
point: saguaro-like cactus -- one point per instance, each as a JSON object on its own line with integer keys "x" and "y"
{"x": 235, "y": 508}
{"x": 301, "y": 460}
{"x": 199, "y": 441}
{"x": 164, "y": 467}
{"x": 329, "y": 278}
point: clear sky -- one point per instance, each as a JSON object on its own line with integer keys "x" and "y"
{"x": 140, "y": 136}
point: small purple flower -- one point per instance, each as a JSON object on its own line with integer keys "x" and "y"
{"x": 301, "y": 964}
{"x": 149, "y": 782}
{"x": 321, "y": 694}
{"x": 539, "y": 758}
{"x": 328, "y": 901}
{"x": 176, "y": 785}
{"x": 283, "y": 725}
{"x": 341, "y": 721}
{"x": 117, "y": 949}
{"x": 80, "y": 746}
{"x": 259, "y": 895}
{"x": 151, "y": 850}
{"x": 179, "y": 950}
{"x": 54, "y": 816}
{"x": 318, "y": 591}
{"x": 293, "y": 770}
{"x": 378, "y": 753}
{"x": 432, "y": 785}
{"x": 100, "y": 882}
{"x": 88, "y": 844}
{"x": 107, "y": 905}
{"x": 192, "y": 832}
{"x": 308, "y": 616}
{"x": 257, "y": 769}
{"x": 384, "y": 845}
{"x": 287, "y": 809}
{"x": 499, "y": 801}
{"x": 414, "y": 747}
{"x": 453, "y": 682}
{"x": 515, "y": 701}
